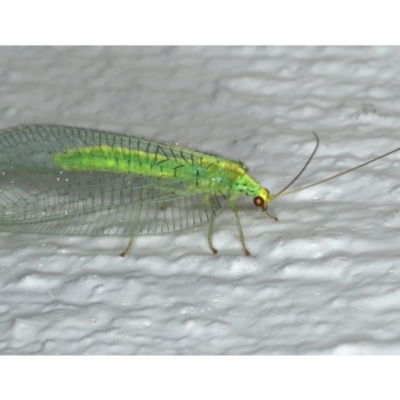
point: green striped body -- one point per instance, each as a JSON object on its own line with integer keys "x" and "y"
{"x": 206, "y": 171}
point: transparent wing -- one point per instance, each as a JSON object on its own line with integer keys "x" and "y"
{"x": 35, "y": 196}
{"x": 45, "y": 140}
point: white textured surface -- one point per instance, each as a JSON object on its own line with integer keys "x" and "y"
{"x": 322, "y": 280}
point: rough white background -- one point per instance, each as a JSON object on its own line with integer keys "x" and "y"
{"x": 323, "y": 280}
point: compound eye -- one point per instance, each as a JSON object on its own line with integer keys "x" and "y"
{"x": 258, "y": 201}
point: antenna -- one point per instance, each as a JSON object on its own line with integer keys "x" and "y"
{"x": 281, "y": 192}
{"x": 302, "y": 170}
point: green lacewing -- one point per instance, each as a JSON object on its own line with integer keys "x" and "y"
{"x": 58, "y": 179}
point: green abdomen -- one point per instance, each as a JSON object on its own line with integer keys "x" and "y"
{"x": 206, "y": 172}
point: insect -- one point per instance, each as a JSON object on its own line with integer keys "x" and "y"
{"x": 58, "y": 179}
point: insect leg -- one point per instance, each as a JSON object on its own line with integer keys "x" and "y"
{"x": 209, "y": 235}
{"x": 239, "y": 226}
{"x": 211, "y": 223}
{"x": 125, "y": 252}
